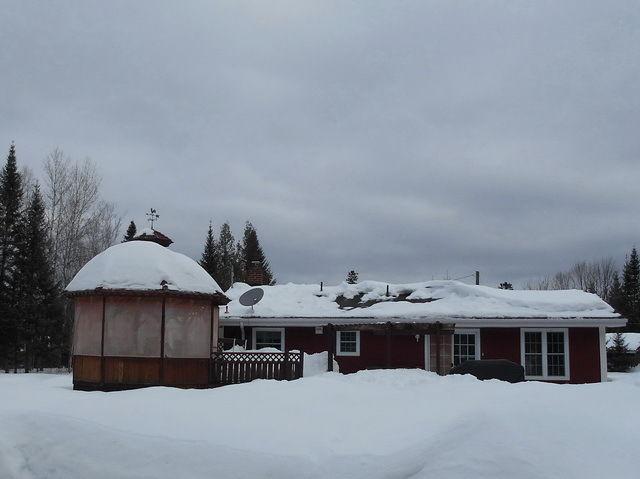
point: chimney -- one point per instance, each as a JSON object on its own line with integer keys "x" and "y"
{"x": 255, "y": 274}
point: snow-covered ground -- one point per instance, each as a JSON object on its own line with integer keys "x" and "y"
{"x": 373, "y": 424}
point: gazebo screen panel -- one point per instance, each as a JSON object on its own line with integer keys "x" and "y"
{"x": 187, "y": 331}
{"x": 87, "y": 338}
{"x": 133, "y": 326}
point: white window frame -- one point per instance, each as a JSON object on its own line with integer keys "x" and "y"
{"x": 255, "y": 330}
{"x": 347, "y": 353}
{"x": 475, "y": 332}
{"x": 545, "y": 376}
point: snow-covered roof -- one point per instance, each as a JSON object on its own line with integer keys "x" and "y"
{"x": 417, "y": 302}
{"x": 143, "y": 266}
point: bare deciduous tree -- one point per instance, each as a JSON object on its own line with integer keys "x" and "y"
{"x": 29, "y": 180}
{"x": 81, "y": 223}
{"x": 595, "y": 276}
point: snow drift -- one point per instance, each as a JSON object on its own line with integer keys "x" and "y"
{"x": 373, "y": 424}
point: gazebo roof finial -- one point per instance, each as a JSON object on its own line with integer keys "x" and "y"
{"x": 152, "y": 216}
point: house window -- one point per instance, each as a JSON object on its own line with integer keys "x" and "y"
{"x": 466, "y": 345}
{"x": 268, "y": 338}
{"x": 348, "y": 343}
{"x": 545, "y": 353}
{"x": 533, "y": 353}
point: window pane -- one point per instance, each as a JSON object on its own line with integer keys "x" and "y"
{"x": 464, "y": 348}
{"x": 268, "y": 339}
{"x": 555, "y": 353}
{"x": 533, "y": 364}
{"x": 532, "y": 342}
{"x": 533, "y": 353}
{"x": 348, "y": 342}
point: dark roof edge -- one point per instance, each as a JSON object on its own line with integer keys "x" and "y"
{"x": 219, "y": 298}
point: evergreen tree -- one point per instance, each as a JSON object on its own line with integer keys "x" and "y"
{"x": 239, "y": 272}
{"x": 618, "y": 357}
{"x": 252, "y": 251}
{"x": 352, "y": 277}
{"x": 131, "y": 232}
{"x": 226, "y": 251}
{"x": 210, "y": 260}
{"x": 10, "y": 217}
{"x": 37, "y": 297}
{"x": 10, "y": 208}
{"x": 631, "y": 289}
{"x": 505, "y": 285}
{"x": 616, "y": 295}
{"x": 619, "y": 345}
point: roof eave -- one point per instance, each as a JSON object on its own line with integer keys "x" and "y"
{"x": 219, "y": 298}
{"x": 540, "y": 321}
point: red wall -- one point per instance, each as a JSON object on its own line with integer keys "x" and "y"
{"x": 305, "y": 339}
{"x": 584, "y": 355}
{"x": 406, "y": 352}
{"x": 500, "y": 343}
{"x": 584, "y": 350}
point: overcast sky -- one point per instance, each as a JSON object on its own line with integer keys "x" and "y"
{"x": 403, "y": 139}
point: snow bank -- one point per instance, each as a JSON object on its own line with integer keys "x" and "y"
{"x": 373, "y": 424}
{"x": 315, "y": 364}
{"x": 632, "y": 340}
{"x": 143, "y": 265}
{"x": 428, "y": 300}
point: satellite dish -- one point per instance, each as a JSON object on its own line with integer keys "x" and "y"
{"x": 251, "y": 297}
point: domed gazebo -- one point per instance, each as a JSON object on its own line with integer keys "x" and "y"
{"x": 144, "y": 316}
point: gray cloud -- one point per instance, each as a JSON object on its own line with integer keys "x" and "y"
{"x": 401, "y": 139}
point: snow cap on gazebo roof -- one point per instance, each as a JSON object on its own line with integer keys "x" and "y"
{"x": 144, "y": 266}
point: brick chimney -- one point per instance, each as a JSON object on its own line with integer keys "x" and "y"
{"x": 255, "y": 274}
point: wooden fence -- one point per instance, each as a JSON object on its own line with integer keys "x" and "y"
{"x": 240, "y": 367}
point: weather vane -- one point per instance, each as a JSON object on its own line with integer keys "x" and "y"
{"x": 152, "y": 216}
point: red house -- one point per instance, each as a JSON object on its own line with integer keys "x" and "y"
{"x": 557, "y": 336}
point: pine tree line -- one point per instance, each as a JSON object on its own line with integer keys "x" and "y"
{"x": 32, "y": 332}
{"x": 227, "y": 261}
{"x": 46, "y": 236}
{"x": 625, "y": 294}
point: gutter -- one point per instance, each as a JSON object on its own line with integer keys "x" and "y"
{"x": 533, "y": 322}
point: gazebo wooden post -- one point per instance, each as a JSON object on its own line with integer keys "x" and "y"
{"x": 102, "y": 364}
{"x": 164, "y": 300}
{"x": 331, "y": 343}
{"x": 213, "y": 306}
{"x": 387, "y": 333}
{"x": 438, "y": 348}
